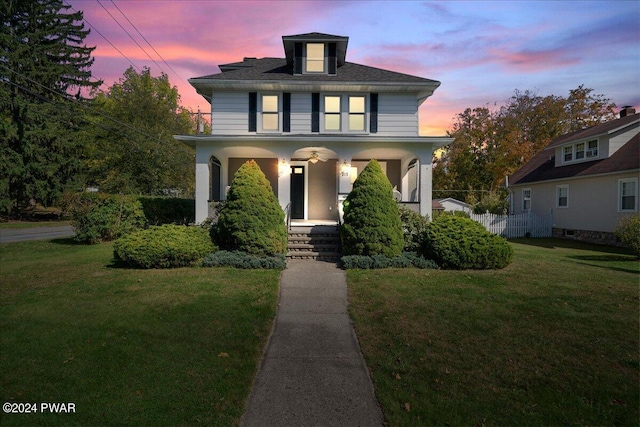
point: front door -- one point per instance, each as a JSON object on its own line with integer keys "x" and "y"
{"x": 297, "y": 192}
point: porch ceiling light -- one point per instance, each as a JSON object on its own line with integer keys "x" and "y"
{"x": 314, "y": 158}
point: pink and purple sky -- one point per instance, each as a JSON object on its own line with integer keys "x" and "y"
{"x": 481, "y": 51}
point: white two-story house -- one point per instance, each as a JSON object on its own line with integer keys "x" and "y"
{"x": 312, "y": 121}
{"x": 588, "y": 179}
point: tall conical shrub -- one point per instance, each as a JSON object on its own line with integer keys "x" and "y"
{"x": 252, "y": 220}
{"x": 371, "y": 221}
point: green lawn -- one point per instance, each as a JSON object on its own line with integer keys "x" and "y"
{"x": 550, "y": 340}
{"x": 135, "y": 347}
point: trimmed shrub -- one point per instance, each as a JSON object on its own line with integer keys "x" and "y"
{"x": 252, "y": 220}
{"x": 168, "y": 210}
{"x": 458, "y": 243}
{"x": 371, "y": 222}
{"x": 407, "y": 259}
{"x": 628, "y": 232}
{"x": 414, "y": 226}
{"x": 243, "y": 260}
{"x": 165, "y": 246}
{"x": 104, "y": 217}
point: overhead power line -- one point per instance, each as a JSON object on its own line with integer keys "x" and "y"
{"x": 147, "y": 41}
{"x": 129, "y": 34}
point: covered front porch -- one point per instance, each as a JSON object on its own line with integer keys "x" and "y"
{"x": 312, "y": 176}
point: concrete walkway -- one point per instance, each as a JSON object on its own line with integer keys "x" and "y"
{"x": 312, "y": 372}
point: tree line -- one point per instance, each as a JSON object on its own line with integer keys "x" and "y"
{"x": 493, "y": 143}
{"x": 60, "y": 133}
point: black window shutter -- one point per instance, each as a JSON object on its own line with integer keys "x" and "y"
{"x": 333, "y": 64}
{"x": 373, "y": 113}
{"x": 286, "y": 112}
{"x": 315, "y": 112}
{"x": 253, "y": 111}
{"x": 297, "y": 58}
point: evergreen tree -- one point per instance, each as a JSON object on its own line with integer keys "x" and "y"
{"x": 44, "y": 66}
{"x": 252, "y": 220}
{"x": 372, "y": 223}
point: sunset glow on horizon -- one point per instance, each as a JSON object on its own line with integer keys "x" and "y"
{"x": 481, "y": 52}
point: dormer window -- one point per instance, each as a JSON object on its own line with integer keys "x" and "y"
{"x": 580, "y": 152}
{"x": 592, "y": 150}
{"x": 315, "y": 58}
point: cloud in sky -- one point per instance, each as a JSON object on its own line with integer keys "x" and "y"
{"x": 480, "y": 51}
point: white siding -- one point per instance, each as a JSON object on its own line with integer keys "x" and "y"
{"x": 593, "y": 202}
{"x": 300, "y": 113}
{"x": 618, "y": 139}
{"x": 397, "y": 114}
{"x": 230, "y": 113}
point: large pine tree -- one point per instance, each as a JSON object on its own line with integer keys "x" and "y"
{"x": 44, "y": 69}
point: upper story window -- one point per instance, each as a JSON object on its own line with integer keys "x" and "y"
{"x": 356, "y": 113}
{"x": 270, "y": 116}
{"x": 526, "y": 199}
{"x": 314, "y": 62}
{"x": 332, "y": 113}
{"x": 580, "y": 151}
{"x": 592, "y": 149}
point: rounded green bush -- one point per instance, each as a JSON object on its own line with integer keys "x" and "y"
{"x": 165, "y": 246}
{"x": 104, "y": 217}
{"x": 459, "y": 243}
{"x": 371, "y": 221}
{"x": 628, "y": 232}
{"x": 413, "y": 227}
{"x": 252, "y": 220}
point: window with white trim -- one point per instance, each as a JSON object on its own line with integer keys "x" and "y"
{"x": 592, "y": 149}
{"x": 332, "y": 113}
{"x": 356, "y": 113}
{"x": 270, "y": 116}
{"x": 562, "y": 196}
{"x": 628, "y": 195}
{"x": 568, "y": 153}
{"x": 315, "y": 58}
{"x": 580, "y": 151}
{"x": 526, "y": 199}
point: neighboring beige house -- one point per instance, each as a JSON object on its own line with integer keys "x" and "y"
{"x": 312, "y": 121}
{"x": 588, "y": 179}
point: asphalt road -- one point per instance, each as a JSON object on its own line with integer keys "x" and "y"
{"x": 35, "y": 233}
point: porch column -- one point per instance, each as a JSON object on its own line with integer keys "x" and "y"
{"x": 426, "y": 179}
{"x": 284, "y": 181}
{"x": 203, "y": 181}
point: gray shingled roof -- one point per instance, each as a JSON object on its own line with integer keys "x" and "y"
{"x": 276, "y": 69}
{"x": 542, "y": 166}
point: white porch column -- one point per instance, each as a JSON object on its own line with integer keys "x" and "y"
{"x": 203, "y": 182}
{"x": 284, "y": 181}
{"x": 426, "y": 180}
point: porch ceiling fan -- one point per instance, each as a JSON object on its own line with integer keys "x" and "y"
{"x": 315, "y": 157}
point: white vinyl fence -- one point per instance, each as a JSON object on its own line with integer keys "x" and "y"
{"x": 514, "y": 226}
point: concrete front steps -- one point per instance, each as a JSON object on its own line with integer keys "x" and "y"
{"x": 320, "y": 242}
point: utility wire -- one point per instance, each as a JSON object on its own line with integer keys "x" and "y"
{"x": 130, "y": 36}
{"x": 64, "y": 96}
{"x": 147, "y": 41}
{"x": 107, "y": 40}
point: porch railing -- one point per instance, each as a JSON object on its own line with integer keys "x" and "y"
{"x": 287, "y": 212}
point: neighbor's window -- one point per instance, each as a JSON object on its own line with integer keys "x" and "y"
{"x": 628, "y": 195}
{"x": 568, "y": 153}
{"x": 315, "y": 58}
{"x": 270, "y": 119}
{"x": 580, "y": 151}
{"x": 332, "y": 113}
{"x": 526, "y": 199}
{"x": 356, "y": 113}
{"x": 592, "y": 150}
{"x": 562, "y": 196}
